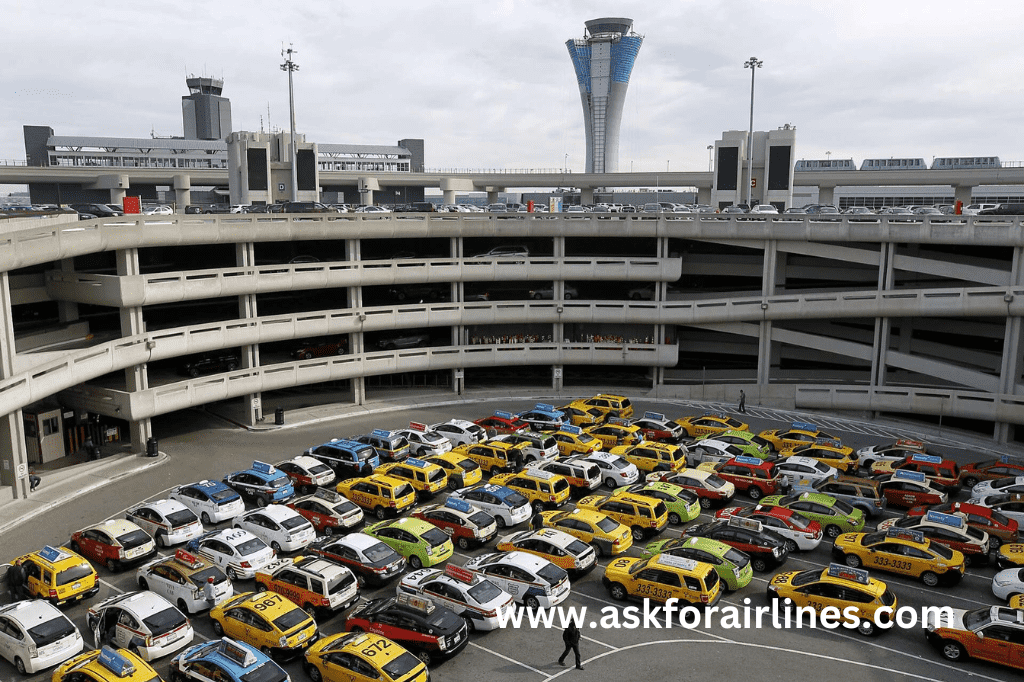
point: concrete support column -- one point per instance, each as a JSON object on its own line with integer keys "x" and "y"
{"x": 356, "y": 344}
{"x": 883, "y": 326}
{"x": 182, "y": 191}
{"x": 704, "y": 195}
{"x": 826, "y": 195}
{"x": 1013, "y": 351}
{"x": 586, "y": 195}
{"x": 764, "y": 337}
{"x": 245, "y": 256}
{"x": 67, "y": 311}
{"x": 13, "y": 453}
{"x": 137, "y": 377}
{"x": 492, "y": 195}
{"x": 448, "y": 196}
{"x": 117, "y": 195}
{"x": 962, "y": 193}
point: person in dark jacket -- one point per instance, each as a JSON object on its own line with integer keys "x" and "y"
{"x": 537, "y": 522}
{"x": 16, "y": 582}
{"x": 571, "y": 637}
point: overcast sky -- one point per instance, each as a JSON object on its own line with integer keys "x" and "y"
{"x": 490, "y": 85}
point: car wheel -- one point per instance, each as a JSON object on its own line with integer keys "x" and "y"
{"x": 953, "y": 651}
{"x": 968, "y": 561}
{"x": 852, "y": 560}
{"x": 470, "y": 624}
{"x": 340, "y": 351}
{"x": 754, "y": 493}
{"x": 618, "y": 592}
{"x": 759, "y": 565}
{"x": 610, "y": 482}
{"x": 638, "y": 533}
{"x": 233, "y": 574}
{"x": 705, "y": 503}
{"x": 182, "y": 606}
{"x": 833, "y": 531}
{"x": 994, "y": 543}
{"x": 463, "y": 543}
{"x": 143, "y": 585}
{"x": 970, "y": 482}
{"x": 415, "y": 563}
{"x": 930, "y": 579}
{"x": 328, "y": 531}
{"x": 791, "y": 546}
{"x": 307, "y": 355}
{"x": 205, "y": 519}
{"x": 161, "y": 539}
{"x": 454, "y": 483}
{"x": 218, "y": 629}
{"x": 866, "y": 627}
{"x": 313, "y": 672}
{"x": 276, "y": 546}
{"x": 193, "y": 372}
{"x": 261, "y": 501}
{"x": 500, "y": 521}
{"x": 112, "y": 565}
{"x": 537, "y": 297}
{"x": 598, "y": 552}
{"x": 379, "y": 512}
{"x": 532, "y": 603}
{"x": 424, "y": 656}
{"x": 674, "y": 519}
{"x": 567, "y": 296}
{"x": 867, "y": 464}
{"x": 20, "y": 666}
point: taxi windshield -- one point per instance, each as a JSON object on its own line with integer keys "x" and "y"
{"x": 51, "y": 631}
{"x": 1003, "y": 482}
{"x": 805, "y": 577}
{"x": 379, "y": 552}
{"x": 607, "y": 525}
{"x": 344, "y": 507}
{"x": 268, "y": 672}
{"x": 481, "y": 519}
{"x": 135, "y": 538}
{"x": 402, "y": 666}
{"x": 250, "y": 547}
{"x": 514, "y": 500}
{"x": 468, "y": 465}
{"x": 484, "y": 591}
{"x": 200, "y": 578}
{"x": 294, "y": 522}
{"x": 74, "y": 573}
{"x": 181, "y": 517}
{"x": 164, "y": 621}
{"x": 888, "y": 598}
{"x": 287, "y": 621}
{"x": 435, "y": 537}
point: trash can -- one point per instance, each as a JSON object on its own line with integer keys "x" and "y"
{"x": 279, "y": 416}
{"x": 152, "y": 449}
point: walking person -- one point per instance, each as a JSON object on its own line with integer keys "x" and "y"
{"x": 742, "y": 407}
{"x": 571, "y": 638}
{"x": 33, "y": 481}
{"x": 90, "y": 448}
{"x": 16, "y": 581}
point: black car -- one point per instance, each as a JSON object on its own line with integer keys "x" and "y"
{"x": 306, "y": 207}
{"x": 210, "y": 363}
{"x": 373, "y": 563}
{"x": 430, "y": 631}
{"x": 348, "y": 458}
{"x": 98, "y": 210}
{"x": 1004, "y": 209}
{"x": 766, "y": 549}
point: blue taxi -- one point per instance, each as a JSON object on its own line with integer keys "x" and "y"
{"x": 262, "y": 484}
{"x": 348, "y": 458}
{"x": 543, "y": 417}
{"x": 228, "y": 660}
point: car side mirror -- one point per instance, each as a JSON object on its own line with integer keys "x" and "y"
{"x": 980, "y": 634}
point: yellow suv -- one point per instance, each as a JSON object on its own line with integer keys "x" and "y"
{"x": 644, "y": 516}
{"x": 612, "y": 434}
{"x": 269, "y": 621}
{"x": 611, "y": 405}
{"x": 543, "y": 489}
{"x": 493, "y": 456}
{"x": 663, "y": 577}
{"x": 105, "y": 665}
{"x": 426, "y": 478}
{"x": 380, "y": 494}
{"x": 462, "y": 471}
{"x": 571, "y": 440}
{"x": 650, "y": 456}
{"x": 58, "y": 575}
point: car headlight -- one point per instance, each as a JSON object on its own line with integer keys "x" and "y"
{"x": 430, "y": 551}
{"x": 283, "y": 641}
{"x": 1001, "y": 583}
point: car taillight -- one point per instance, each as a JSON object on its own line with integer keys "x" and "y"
{"x": 245, "y": 564}
{"x": 53, "y": 594}
{"x": 490, "y": 614}
{"x": 120, "y": 552}
{"x": 324, "y": 601}
{"x": 551, "y": 498}
{"x": 705, "y": 598}
{"x": 391, "y": 503}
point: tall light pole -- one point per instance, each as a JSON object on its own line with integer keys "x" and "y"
{"x": 711, "y": 149}
{"x": 753, "y": 64}
{"x": 291, "y": 67}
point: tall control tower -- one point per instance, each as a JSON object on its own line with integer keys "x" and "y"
{"x": 603, "y": 60}
{"x": 205, "y": 114}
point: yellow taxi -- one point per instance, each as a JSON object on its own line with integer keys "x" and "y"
{"x": 798, "y": 433}
{"x": 426, "y": 478}
{"x": 840, "y": 587}
{"x": 383, "y": 495}
{"x": 643, "y": 515}
{"x": 58, "y": 575}
{"x": 710, "y": 424}
{"x": 363, "y": 657}
{"x": 269, "y": 621}
{"x": 461, "y": 470}
{"x": 543, "y": 489}
{"x": 610, "y": 405}
{"x": 828, "y": 452}
{"x": 902, "y": 551}
{"x": 1010, "y": 555}
{"x": 562, "y": 549}
{"x": 612, "y": 434}
{"x": 607, "y": 536}
{"x": 105, "y": 665}
{"x": 651, "y": 456}
{"x": 663, "y": 577}
{"x": 571, "y": 440}
{"x": 493, "y": 456}
{"x": 578, "y": 414}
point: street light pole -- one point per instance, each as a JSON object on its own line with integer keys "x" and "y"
{"x": 753, "y": 64}
{"x": 291, "y": 67}
{"x": 711, "y": 148}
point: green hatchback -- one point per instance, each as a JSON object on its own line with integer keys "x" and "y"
{"x": 422, "y": 543}
{"x": 732, "y": 565}
{"x": 683, "y": 505}
{"x": 835, "y": 516}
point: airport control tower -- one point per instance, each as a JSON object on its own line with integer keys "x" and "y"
{"x": 603, "y": 60}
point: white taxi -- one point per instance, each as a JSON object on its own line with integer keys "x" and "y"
{"x": 797, "y": 468}
{"x": 34, "y": 635}
{"x": 212, "y": 501}
{"x": 143, "y": 622}
{"x": 169, "y": 522}
{"x": 424, "y": 442}
{"x": 615, "y": 470}
{"x": 307, "y": 473}
{"x": 236, "y": 551}
{"x": 473, "y": 597}
{"x": 282, "y": 528}
{"x": 182, "y": 580}
{"x": 460, "y": 432}
{"x": 530, "y": 579}
{"x": 506, "y": 505}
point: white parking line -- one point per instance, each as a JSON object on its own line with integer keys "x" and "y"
{"x": 510, "y": 660}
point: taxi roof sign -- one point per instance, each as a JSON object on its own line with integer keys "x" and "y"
{"x": 501, "y": 414}
{"x": 52, "y": 554}
{"x": 858, "y": 575}
{"x": 574, "y": 430}
{"x": 903, "y": 474}
{"x": 539, "y": 473}
{"x": 461, "y": 574}
{"x": 544, "y": 407}
{"x": 381, "y": 433}
{"x": 415, "y": 603}
{"x": 744, "y": 459}
{"x": 416, "y": 462}
{"x": 328, "y": 495}
{"x": 618, "y": 421}
{"x": 190, "y": 560}
{"x": 907, "y": 443}
{"x": 263, "y": 467}
{"x": 417, "y": 426}
{"x": 458, "y": 505}
{"x": 720, "y": 415}
{"x": 238, "y": 655}
{"x": 115, "y": 662}
{"x": 656, "y": 416}
{"x": 952, "y": 520}
{"x": 677, "y": 562}
{"x": 748, "y": 524}
{"x": 926, "y": 459}
{"x": 905, "y": 534}
{"x": 804, "y": 426}
{"x": 831, "y": 442}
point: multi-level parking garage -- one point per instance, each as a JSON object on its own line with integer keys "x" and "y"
{"x": 917, "y": 318}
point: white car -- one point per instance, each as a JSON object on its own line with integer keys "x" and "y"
{"x": 307, "y": 473}
{"x": 540, "y": 447}
{"x": 372, "y": 209}
{"x": 710, "y": 450}
{"x": 181, "y": 580}
{"x": 554, "y": 542}
{"x": 35, "y": 635}
{"x": 531, "y": 580}
{"x": 473, "y": 597}
{"x": 282, "y": 528}
{"x": 460, "y": 432}
{"x": 1010, "y": 484}
{"x": 656, "y": 423}
{"x": 765, "y": 209}
{"x": 236, "y": 551}
{"x": 425, "y": 443}
{"x": 142, "y": 621}
{"x": 797, "y": 468}
{"x": 795, "y": 529}
{"x": 212, "y": 501}
{"x": 506, "y": 505}
{"x": 616, "y": 471}
{"x": 169, "y": 522}
{"x": 1008, "y": 583}
{"x": 158, "y": 210}
{"x": 888, "y": 452}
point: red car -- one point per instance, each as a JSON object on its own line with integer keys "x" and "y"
{"x": 800, "y": 532}
{"x": 431, "y": 631}
{"x": 1001, "y": 530}
{"x": 989, "y": 470}
{"x": 465, "y": 524}
{"x": 909, "y": 489}
{"x": 756, "y": 477}
{"x": 114, "y": 543}
{"x": 329, "y": 512}
{"x": 710, "y": 488}
{"x": 657, "y": 427}
{"x": 503, "y": 422}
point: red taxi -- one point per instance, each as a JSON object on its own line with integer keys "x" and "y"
{"x": 329, "y": 512}
{"x": 503, "y": 422}
{"x": 430, "y": 631}
{"x": 465, "y": 524}
{"x": 114, "y": 543}
{"x": 756, "y": 477}
{"x": 909, "y": 489}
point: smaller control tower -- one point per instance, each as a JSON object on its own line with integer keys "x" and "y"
{"x": 205, "y": 114}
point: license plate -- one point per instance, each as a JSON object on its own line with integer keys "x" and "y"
{"x": 302, "y": 636}
{"x": 76, "y": 586}
{"x": 457, "y": 638}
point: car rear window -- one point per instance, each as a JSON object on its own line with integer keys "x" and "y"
{"x": 436, "y": 475}
{"x": 164, "y": 621}
{"x": 294, "y": 522}
{"x": 576, "y": 547}
{"x": 482, "y": 519}
{"x": 280, "y": 482}
{"x": 660, "y": 510}
{"x": 484, "y": 591}
{"x": 607, "y": 525}
{"x": 180, "y": 518}
{"x": 468, "y": 465}
{"x": 250, "y": 547}
{"x": 73, "y": 574}
{"x": 435, "y": 537}
{"x": 225, "y": 495}
{"x": 200, "y": 578}
{"x": 135, "y": 538}
{"x": 552, "y": 574}
{"x": 561, "y": 484}
{"x": 293, "y": 618}
{"x": 548, "y": 443}
{"x": 268, "y": 672}
{"x": 403, "y": 490}
{"x": 319, "y": 469}
{"x": 379, "y": 552}
{"x": 51, "y": 631}
{"x": 514, "y": 500}
{"x": 340, "y": 583}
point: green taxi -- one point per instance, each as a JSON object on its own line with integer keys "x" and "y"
{"x": 732, "y": 565}
{"x": 835, "y": 516}
{"x": 682, "y": 504}
{"x": 422, "y": 543}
